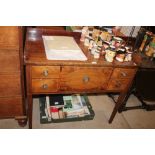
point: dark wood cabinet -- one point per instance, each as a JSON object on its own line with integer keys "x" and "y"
{"x": 12, "y": 97}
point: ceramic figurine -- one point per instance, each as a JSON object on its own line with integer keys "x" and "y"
{"x": 95, "y": 34}
{"x": 94, "y": 48}
{"x": 97, "y": 54}
{"x": 99, "y": 42}
{"x": 128, "y": 56}
{"x": 85, "y": 32}
{"x": 117, "y": 42}
{"x": 86, "y": 41}
{"x": 104, "y": 47}
{"x": 120, "y": 54}
{"x": 151, "y": 48}
{"x": 109, "y": 56}
{"x": 91, "y": 42}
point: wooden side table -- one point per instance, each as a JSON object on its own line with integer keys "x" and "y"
{"x": 67, "y": 77}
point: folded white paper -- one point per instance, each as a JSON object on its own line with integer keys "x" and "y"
{"x": 62, "y": 48}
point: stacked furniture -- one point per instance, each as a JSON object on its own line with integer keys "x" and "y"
{"x": 12, "y": 99}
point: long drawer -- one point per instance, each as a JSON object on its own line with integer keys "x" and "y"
{"x": 10, "y": 85}
{"x": 85, "y": 78}
{"x": 11, "y": 106}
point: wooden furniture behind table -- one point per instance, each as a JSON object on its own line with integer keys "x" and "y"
{"x": 12, "y": 98}
{"x": 65, "y": 77}
{"x": 143, "y": 86}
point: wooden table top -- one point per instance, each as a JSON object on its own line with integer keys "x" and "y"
{"x": 34, "y": 52}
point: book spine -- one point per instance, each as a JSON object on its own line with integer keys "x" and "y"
{"x": 80, "y": 101}
{"x": 48, "y": 108}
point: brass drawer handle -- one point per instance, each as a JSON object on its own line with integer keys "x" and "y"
{"x": 45, "y": 73}
{"x": 45, "y": 86}
{"x": 86, "y": 79}
{"x": 123, "y": 74}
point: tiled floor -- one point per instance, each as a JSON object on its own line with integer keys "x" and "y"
{"x": 103, "y": 106}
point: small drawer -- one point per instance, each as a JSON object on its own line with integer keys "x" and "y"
{"x": 45, "y": 71}
{"x": 120, "y": 84}
{"x": 123, "y": 73}
{"x": 44, "y": 85}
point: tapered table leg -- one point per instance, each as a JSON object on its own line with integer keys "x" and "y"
{"x": 117, "y": 106}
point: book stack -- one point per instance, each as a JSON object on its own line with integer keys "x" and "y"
{"x": 59, "y": 107}
{"x": 75, "y": 106}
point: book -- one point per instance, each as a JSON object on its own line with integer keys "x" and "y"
{"x": 73, "y": 106}
{"x": 67, "y": 102}
{"x": 62, "y": 48}
{"x": 87, "y": 112}
{"x": 67, "y": 106}
{"x": 56, "y": 101}
{"x": 48, "y": 108}
{"x": 54, "y": 112}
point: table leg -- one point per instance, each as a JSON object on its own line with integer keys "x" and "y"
{"x": 117, "y": 106}
{"x": 30, "y": 108}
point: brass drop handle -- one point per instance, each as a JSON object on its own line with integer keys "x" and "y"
{"x": 123, "y": 74}
{"x": 45, "y": 72}
{"x": 86, "y": 79}
{"x": 45, "y": 86}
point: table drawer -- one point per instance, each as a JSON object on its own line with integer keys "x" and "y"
{"x": 119, "y": 84}
{"x": 123, "y": 73}
{"x": 45, "y": 71}
{"x": 10, "y": 85}
{"x": 11, "y": 107}
{"x": 86, "y": 78}
{"x": 44, "y": 85}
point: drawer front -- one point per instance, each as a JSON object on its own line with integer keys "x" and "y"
{"x": 120, "y": 84}
{"x": 10, "y": 85}
{"x": 45, "y": 71}
{"x": 123, "y": 73}
{"x": 9, "y": 61}
{"x": 9, "y": 37}
{"x": 11, "y": 106}
{"x": 85, "y": 78}
{"x": 44, "y": 85}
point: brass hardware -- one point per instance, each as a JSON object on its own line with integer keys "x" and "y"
{"x": 45, "y": 86}
{"x": 86, "y": 79}
{"x": 45, "y": 72}
{"x": 123, "y": 74}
